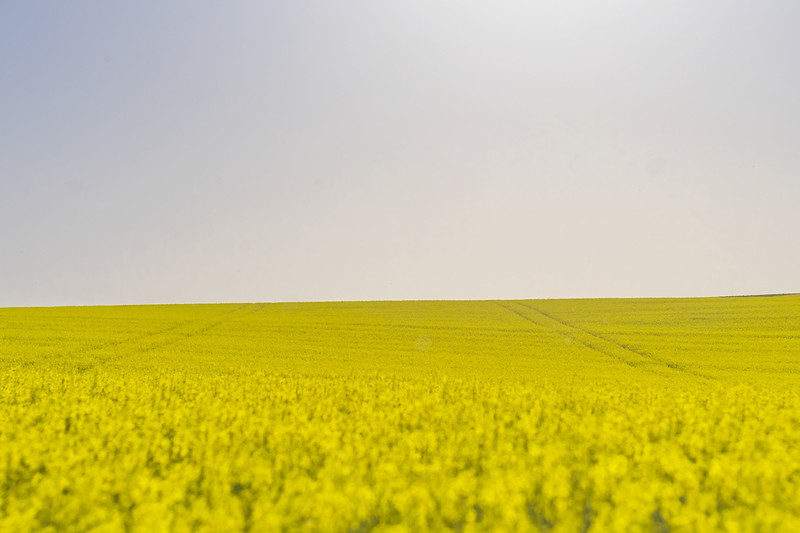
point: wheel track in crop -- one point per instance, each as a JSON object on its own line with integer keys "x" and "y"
{"x": 669, "y": 364}
{"x": 95, "y": 352}
{"x": 140, "y": 336}
{"x": 609, "y": 348}
{"x": 563, "y": 333}
{"x": 206, "y": 327}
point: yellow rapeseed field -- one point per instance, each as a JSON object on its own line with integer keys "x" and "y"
{"x": 526, "y": 415}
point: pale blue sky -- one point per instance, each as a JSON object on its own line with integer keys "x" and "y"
{"x": 157, "y": 152}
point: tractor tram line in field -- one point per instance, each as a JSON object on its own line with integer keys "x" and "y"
{"x": 569, "y": 336}
{"x": 131, "y": 347}
{"x": 669, "y": 364}
{"x": 172, "y": 340}
{"x": 592, "y": 341}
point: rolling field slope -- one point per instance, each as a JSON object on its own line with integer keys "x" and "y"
{"x": 516, "y": 415}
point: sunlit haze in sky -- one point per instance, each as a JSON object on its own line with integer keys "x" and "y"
{"x": 168, "y": 152}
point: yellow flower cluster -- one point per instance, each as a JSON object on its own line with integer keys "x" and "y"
{"x": 596, "y": 415}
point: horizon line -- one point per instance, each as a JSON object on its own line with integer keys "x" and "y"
{"x": 390, "y": 300}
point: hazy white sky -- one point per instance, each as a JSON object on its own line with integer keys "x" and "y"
{"x": 271, "y": 151}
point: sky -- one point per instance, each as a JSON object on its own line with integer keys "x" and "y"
{"x": 176, "y": 152}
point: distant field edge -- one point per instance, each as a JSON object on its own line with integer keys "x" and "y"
{"x": 571, "y": 298}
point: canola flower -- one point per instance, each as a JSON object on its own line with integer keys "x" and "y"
{"x": 593, "y": 415}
